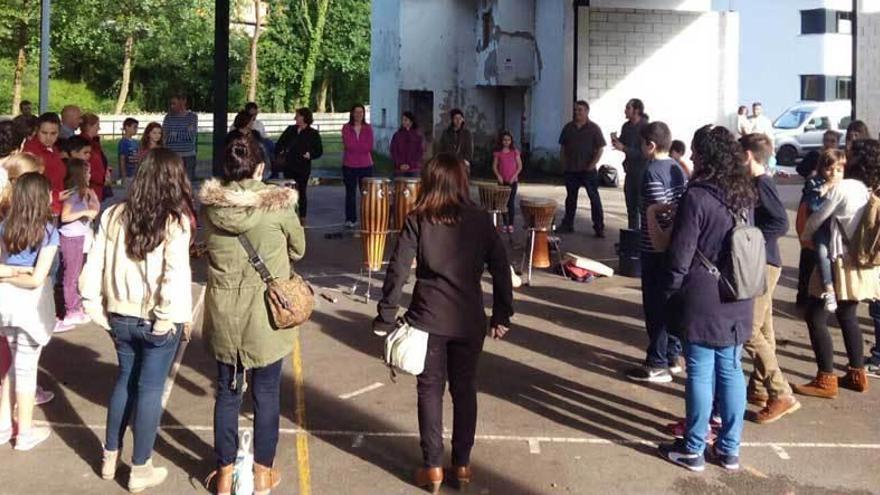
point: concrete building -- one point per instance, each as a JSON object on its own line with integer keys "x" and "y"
{"x": 511, "y": 64}
{"x": 868, "y": 64}
{"x": 793, "y": 50}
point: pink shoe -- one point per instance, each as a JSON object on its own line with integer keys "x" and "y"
{"x": 62, "y": 326}
{"x": 77, "y": 318}
{"x": 43, "y": 396}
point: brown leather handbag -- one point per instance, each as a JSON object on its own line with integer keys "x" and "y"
{"x": 290, "y": 301}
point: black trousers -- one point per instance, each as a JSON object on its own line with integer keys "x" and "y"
{"x": 302, "y": 184}
{"x": 806, "y": 264}
{"x": 456, "y": 360}
{"x": 817, "y": 322}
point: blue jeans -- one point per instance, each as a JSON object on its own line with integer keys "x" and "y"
{"x": 663, "y": 347}
{"x": 874, "y": 311}
{"x": 265, "y": 386}
{"x": 589, "y": 180}
{"x": 714, "y": 373}
{"x": 189, "y": 162}
{"x": 821, "y": 239}
{"x": 352, "y": 179}
{"x": 144, "y": 362}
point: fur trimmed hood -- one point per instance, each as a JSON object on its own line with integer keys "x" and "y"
{"x": 238, "y": 206}
{"x": 267, "y": 197}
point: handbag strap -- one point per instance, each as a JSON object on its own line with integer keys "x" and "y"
{"x": 713, "y": 270}
{"x": 255, "y": 260}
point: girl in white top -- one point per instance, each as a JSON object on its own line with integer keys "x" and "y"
{"x": 28, "y": 241}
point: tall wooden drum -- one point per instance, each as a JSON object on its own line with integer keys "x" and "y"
{"x": 406, "y": 192}
{"x": 538, "y": 217}
{"x": 493, "y": 197}
{"x": 375, "y": 213}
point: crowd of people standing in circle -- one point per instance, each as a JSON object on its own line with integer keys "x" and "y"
{"x": 127, "y": 268}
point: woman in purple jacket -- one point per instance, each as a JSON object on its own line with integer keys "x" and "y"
{"x": 714, "y": 329}
{"x": 407, "y": 147}
{"x": 357, "y": 159}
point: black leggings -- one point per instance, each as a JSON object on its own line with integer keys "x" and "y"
{"x": 817, "y": 322}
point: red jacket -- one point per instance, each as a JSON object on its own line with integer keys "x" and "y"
{"x": 55, "y": 170}
{"x": 98, "y": 167}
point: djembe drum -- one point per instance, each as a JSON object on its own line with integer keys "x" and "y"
{"x": 406, "y": 192}
{"x": 375, "y": 213}
{"x": 538, "y": 216}
{"x": 493, "y": 197}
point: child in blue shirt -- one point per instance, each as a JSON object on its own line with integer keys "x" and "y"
{"x": 128, "y": 149}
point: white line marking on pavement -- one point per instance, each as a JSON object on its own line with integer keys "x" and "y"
{"x": 357, "y": 442}
{"x": 497, "y": 438}
{"x": 181, "y": 350}
{"x": 534, "y": 446}
{"x": 781, "y": 452}
{"x": 368, "y": 388}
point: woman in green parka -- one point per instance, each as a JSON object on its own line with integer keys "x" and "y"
{"x": 237, "y": 325}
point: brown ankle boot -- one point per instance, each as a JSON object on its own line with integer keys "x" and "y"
{"x": 223, "y": 476}
{"x": 823, "y": 386}
{"x": 430, "y": 478}
{"x": 462, "y": 476}
{"x": 265, "y": 479}
{"x": 855, "y": 379}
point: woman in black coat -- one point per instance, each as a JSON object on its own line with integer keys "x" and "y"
{"x": 455, "y": 242}
{"x": 295, "y": 150}
{"x": 714, "y": 329}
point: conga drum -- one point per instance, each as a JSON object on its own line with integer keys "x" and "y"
{"x": 493, "y": 197}
{"x": 375, "y": 213}
{"x": 406, "y": 192}
{"x": 538, "y": 216}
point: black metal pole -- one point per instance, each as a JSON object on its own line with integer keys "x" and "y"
{"x": 45, "y": 42}
{"x": 221, "y": 81}
{"x": 574, "y": 65}
{"x": 855, "y": 55}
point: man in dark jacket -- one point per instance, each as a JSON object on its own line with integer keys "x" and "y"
{"x": 581, "y": 144}
{"x": 768, "y": 388}
{"x": 630, "y": 143}
{"x": 457, "y": 139}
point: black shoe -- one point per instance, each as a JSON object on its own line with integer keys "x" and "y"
{"x": 646, "y": 374}
{"x": 564, "y": 229}
{"x": 600, "y": 233}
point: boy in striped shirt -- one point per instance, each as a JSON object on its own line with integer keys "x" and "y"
{"x": 180, "y": 128}
{"x": 663, "y": 182}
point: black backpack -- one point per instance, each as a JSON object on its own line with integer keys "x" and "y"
{"x": 608, "y": 176}
{"x": 742, "y": 271}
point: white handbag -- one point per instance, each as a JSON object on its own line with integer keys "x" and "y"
{"x": 406, "y": 348}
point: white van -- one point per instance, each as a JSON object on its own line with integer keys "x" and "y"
{"x": 799, "y": 129}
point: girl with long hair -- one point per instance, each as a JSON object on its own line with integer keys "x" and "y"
{"x": 455, "y": 242}
{"x": 136, "y": 284}
{"x": 80, "y": 208}
{"x": 507, "y": 165}
{"x": 714, "y": 329}
{"x": 28, "y": 240}
{"x": 101, "y": 172}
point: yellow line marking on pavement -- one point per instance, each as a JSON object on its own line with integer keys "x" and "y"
{"x": 302, "y": 438}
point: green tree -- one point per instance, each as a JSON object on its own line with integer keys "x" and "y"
{"x": 313, "y": 17}
{"x": 18, "y": 31}
{"x": 345, "y": 57}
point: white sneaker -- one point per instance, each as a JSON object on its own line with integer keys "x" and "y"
{"x": 31, "y": 438}
{"x": 5, "y": 435}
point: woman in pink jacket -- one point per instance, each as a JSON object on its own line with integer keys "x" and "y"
{"x": 357, "y": 159}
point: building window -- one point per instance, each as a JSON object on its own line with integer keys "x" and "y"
{"x": 822, "y": 21}
{"x": 825, "y": 88}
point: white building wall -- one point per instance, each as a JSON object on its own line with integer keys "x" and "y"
{"x": 682, "y": 65}
{"x": 385, "y": 68}
{"x": 551, "y": 95}
{"x": 774, "y": 53}
{"x": 868, "y": 72}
